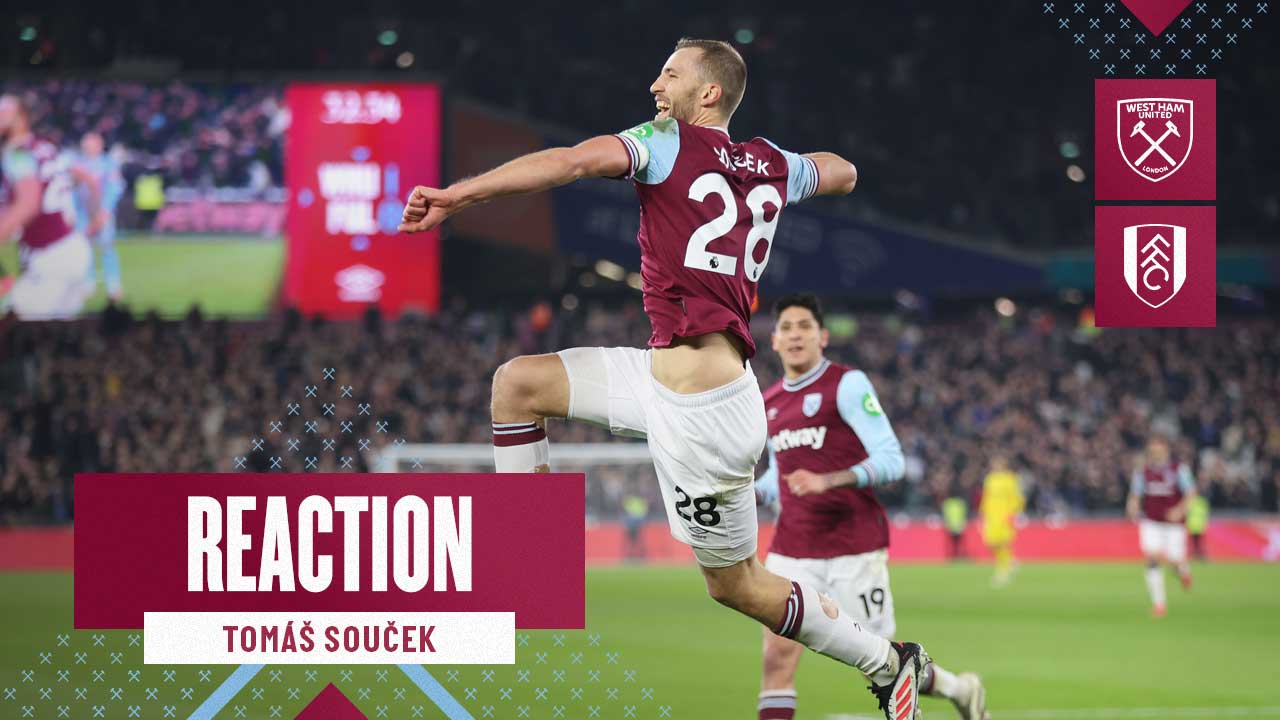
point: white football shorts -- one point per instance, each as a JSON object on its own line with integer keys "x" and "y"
{"x": 1163, "y": 540}
{"x": 52, "y": 283}
{"x": 704, "y": 446}
{"x": 858, "y": 583}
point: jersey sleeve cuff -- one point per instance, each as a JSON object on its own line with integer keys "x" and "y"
{"x": 634, "y": 152}
{"x": 813, "y": 166}
{"x": 862, "y": 475}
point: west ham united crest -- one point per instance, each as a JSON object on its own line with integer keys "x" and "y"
{"x": 1155, "y": 135}
{"x": 1155, "y": 261}
{"x": 812, "y": 402}
{"x": 1165, "y": 145}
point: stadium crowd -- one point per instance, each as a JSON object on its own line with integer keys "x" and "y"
{"x": 200, "y": 135}
{"x": 1071, "y": 406}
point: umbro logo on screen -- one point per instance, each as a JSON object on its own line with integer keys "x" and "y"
{"x": 359, "y": 283}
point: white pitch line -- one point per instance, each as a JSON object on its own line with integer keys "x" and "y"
{"x": 1115, "y": 713}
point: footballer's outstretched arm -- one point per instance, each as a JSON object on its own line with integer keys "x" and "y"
{"x": 860, "y": 409}
{"x": 836, "y": 176}
{"x": 602, "y": 156}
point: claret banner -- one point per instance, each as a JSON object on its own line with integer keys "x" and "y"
{"x": 329, "y": 568}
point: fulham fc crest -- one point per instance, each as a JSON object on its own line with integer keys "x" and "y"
{"x": 1155, "y": 262}
{"x": 812, "y": 402}
{"x": 1155, "y": 135}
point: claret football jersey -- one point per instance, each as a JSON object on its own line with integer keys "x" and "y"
{"x": 709, "y": 208}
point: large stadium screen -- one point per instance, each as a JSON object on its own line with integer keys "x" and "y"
{"x": 190, "y": 177}
{"x": 353, "y": 153}
{"x": 234, "y": 198}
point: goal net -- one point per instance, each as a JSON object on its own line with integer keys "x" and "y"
{"x": 616, "y": 471}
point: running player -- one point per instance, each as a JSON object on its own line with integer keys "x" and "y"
{"x": 39, "y": 182}
{"x": 1158, "y": 498}
{"x": 831, "y": 443}
{"x": 106, "y": 171}
{"x": 1002, "y": 501}
{"x": 709, "y": 208}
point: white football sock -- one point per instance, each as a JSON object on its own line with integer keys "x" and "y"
{"x": 520, "y": 447}
{"x": 776, "y": 705}
{"x": 839, "y": 638}
{"x": 1155, "y": 586}
{"x": 944, "y": 684}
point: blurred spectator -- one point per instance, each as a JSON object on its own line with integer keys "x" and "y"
{"x": 635, "y": 511}
{"x": 955, "y": 518}
{"x": 200, "y": 135}
{"x": 1197, "y": 523}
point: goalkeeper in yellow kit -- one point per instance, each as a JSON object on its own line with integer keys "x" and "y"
{"x": 1001, "y": 502}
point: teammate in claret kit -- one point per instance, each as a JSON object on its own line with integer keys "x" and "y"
{"x": 709, "y": 208}
{"x": 37, "y": 197}
{"x": 830, "y": 444}
{"x": 1158, "y": 498}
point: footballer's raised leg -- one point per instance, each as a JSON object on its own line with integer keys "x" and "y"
{"x": 964, "y": 690}
{"x": 526, "y": 391}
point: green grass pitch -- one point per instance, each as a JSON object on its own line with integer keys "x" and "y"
{"x": 228, "y": 275}
{"x": 1064, "y": 641}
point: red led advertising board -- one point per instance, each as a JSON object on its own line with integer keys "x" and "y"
{"x": 352, "y": 155}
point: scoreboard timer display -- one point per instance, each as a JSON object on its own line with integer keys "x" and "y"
{"x": 353, "y": 153}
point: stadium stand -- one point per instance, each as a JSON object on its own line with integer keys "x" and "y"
{"x": 1071, "y": 404}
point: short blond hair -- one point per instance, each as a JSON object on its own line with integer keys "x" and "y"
{"x": 723, "y": 65}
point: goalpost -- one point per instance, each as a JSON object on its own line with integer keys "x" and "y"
{"x": 477, "y": 457}
{"x": 623, "y": 502}
{"x": 615, "y": 472}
